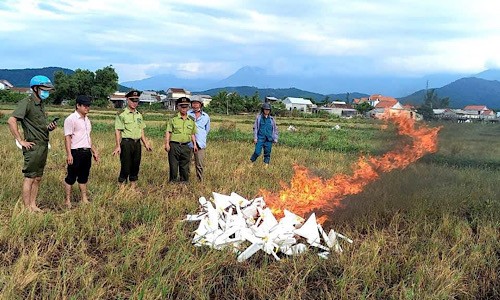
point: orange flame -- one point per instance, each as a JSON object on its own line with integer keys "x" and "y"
{"x": 307, "y": 192}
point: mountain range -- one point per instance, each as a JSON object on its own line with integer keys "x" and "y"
{"x": 462, "y": 89}
{"x": 370, "y": 83}
{"x": 22, "y": 77}
{"x": 283, "y": 93}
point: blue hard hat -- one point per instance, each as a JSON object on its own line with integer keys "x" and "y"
{"x": 40, "y": 80}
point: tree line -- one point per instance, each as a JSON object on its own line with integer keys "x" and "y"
{"x": 233, "y": 103}
{"x": 104, "y": 82}
{"x": 98, "y": 85}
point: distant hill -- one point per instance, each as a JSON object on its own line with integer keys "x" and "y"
{"x": 122, "y": 88}
{"x": 278, "y": 93}
{"x": 343, "y": 96}
{"x": 462, "y": 92}
{"x": 22, "y": 77}
{"x": 166, "y": 81}
{"x": 282, "y": 93}
{"x": 323, "y": 83}
{"x": 491, "y": 74}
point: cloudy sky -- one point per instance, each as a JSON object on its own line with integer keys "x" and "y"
{"x": 214, "y": 38}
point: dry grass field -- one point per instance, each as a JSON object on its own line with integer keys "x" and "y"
{"x": 428, "y": 231}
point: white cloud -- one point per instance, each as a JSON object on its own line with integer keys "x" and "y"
{"x": 213, "y": 38}
{"x": 217, "y": 70}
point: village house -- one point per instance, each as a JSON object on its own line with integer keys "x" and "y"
{"x": 338, "y": 108}
{"x": 480, "y": 112}
{"x": 20, "y": 90}
{"x": 447, "y": 113}
{"x": 5, "y": 85}
{"x": 270, "y": 99}
{"x": 299, "y": 104}
{"x": 382, "y": 104}
{"x": 469, "y": 113}
{"x": 172, "y": 95}
{"x": 357, "y": 101}
{"x": 205, "y": 99}
{"x": 118, "y": 99}
{"x": 149, "y": 97}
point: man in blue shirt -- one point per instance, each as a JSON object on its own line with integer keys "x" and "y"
{"x": 202, "y": 121}
{"x": 265, "y": 133}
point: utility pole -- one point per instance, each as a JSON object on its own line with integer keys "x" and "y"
{"x": 427, "y": 92}
{"x": 227, "y": 102}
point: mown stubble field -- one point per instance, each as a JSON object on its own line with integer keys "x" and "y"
{"x": 430, "y": 231}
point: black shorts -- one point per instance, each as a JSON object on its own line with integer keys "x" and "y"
{"x": 80, "y": 169}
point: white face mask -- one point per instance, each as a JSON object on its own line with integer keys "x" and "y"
{"x": 44, "y": 94}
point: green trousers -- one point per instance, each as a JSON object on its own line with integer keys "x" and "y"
{"x": 179, "y": 157}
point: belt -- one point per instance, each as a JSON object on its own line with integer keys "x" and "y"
{"x": 179, "y": 143}
{"x": 82, "y": 149}
{"x": 129, "y": 139}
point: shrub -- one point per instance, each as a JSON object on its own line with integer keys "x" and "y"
{"x": 7, "y": 96}
{"x": 228, "y": 127}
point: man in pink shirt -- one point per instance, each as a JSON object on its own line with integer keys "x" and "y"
{"x": 79, "y": 149}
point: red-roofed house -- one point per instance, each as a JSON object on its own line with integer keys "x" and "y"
{"x": 359, "y": 100}
{"x": 478, "y": 112}
{"x": 379, "y": 101}
{"x": 476, "y": 107}
{"x": 382, "y": 104}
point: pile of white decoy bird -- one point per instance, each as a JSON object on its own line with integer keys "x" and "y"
{"x": 248, "y": 226}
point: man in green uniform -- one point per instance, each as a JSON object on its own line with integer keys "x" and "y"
{"x": 30, "y": 113}
{"x": 129, "y": 132}
{"x": 181, "y": 130}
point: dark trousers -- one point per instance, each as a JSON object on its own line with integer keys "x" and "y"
{"x": 80, "y": 169}
{"x": 179, "y": 158}
{"x": 268, "y": 147}
{"x": 130, "y": 159}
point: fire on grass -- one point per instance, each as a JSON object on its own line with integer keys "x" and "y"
{"x": 307, "y": 193}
